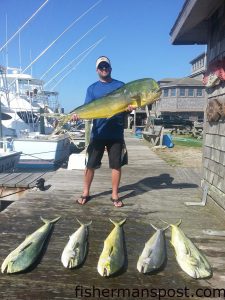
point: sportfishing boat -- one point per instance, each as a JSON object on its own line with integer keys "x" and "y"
{"x": 23, "y": 102}
{"x": 26, "y": 98}
{"x": 8, "y": 158}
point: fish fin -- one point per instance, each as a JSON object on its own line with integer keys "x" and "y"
{"x": 165, "y": 228}
{"x": 50, "y": 221}
{"x": 176, "y": 224}
{"x": 77, "y": 245}
{"x": 137, "y": 99}
{"x": 26, "y": 246}
{"x": 154, "y": 227}
{"x": 82, "y": 224}
{"x": 118, "y": 223}
{"x": 110, "y": 251}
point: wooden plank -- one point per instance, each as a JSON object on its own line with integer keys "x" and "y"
{"x": 11, "y": 176}
{"x": 30, "y": 181}
{"x": 3, "y": 175}
{"x": 17, "y": 179}
{"x": 150, "y": 189}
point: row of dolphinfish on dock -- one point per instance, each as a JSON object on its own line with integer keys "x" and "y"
{"x": 112, "y": 257}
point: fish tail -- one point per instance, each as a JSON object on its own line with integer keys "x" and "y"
{"x": 156, "y": 228}
{"x": 82, "y": 224}
{"x": 118, "y": 223}
{"x": 50, "y": 221}
{"x": 176, "y": 224}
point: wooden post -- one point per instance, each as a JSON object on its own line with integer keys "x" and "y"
{"x": 134, "y": 127}
{"x": 42, "y": 121}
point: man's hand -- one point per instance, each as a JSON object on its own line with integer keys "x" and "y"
{"x": 74, "y": 118}
{"x": 130, "y": 108}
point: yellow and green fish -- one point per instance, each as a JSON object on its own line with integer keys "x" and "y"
{"x": 112, "y": 257}
{"x": 136, "y": 93}
{"x": 188, "y": 256}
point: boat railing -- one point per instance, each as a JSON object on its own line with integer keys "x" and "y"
{"x": 6, "y": 145}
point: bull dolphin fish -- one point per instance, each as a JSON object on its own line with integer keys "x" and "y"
{"x": 188, "y": 256}
{"x": 28, "y": 251}
{"x": 112, "y": 257}
{"x": 76, "y": 249}
{"x": 154, "y": 253}
{"x": 137, "y": 93}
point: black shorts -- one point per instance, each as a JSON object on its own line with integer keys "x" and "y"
{"x": 116, "y": 149}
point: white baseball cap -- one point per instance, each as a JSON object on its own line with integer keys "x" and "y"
{"x": 101, "y": 59}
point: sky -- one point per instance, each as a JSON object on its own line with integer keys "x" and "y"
{"x": 64, "y": 38}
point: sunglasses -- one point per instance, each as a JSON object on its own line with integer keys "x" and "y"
{"x": 103, "y": 66}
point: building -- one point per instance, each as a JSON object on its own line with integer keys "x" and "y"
{"x": 202, "y": 22}
{"x": 184, "y": 96}
{"x": 198, "y": 67}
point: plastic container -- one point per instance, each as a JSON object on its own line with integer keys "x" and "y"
{"x": 167, "y": 141}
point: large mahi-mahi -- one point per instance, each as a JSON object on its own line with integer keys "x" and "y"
{"x": 153, "y": 255}
{"x": 189, "y": 257}
{"x": 75, "y": 250}
{"x": 112, "y": 258}
{"x": 136, "y": 93}
{"x": 29, "y": 250}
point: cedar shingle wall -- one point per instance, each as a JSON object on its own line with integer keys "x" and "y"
{"x": 214, "y": 139}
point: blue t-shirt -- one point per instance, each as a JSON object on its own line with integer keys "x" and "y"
{"x": 111, "y": 128}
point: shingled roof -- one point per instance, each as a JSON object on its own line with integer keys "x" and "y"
{"x": 186, "y": 81}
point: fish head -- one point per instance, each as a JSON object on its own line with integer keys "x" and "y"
{"x": 145, "y": 265}
{"x": 10, "y": 267}
{"x": 150, "y": 92}
{"x": 143, "y": 92}
{"x": 104, "y": 267}
{"x": 72, "y": 262}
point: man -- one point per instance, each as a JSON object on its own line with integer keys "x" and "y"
{"x": 106, "y": 133}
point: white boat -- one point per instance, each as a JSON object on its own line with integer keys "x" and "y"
{"x": 25, "y": 97}
{"x": 22, "y": 97}
{"x": 42, "y": 151}
{"x": 8, "y": 158}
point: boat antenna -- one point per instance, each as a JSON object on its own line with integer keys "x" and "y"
{"x": 75, "y": 21}
{"x": 80, "y": 61}
{"x": 15, "y": 34}
{"x": 72, "y": 62}
{"x": 61, "y": 57}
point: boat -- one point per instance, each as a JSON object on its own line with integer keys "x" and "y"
{"x": 26, "y": 98}
{"x": 42, "y": 151}
{"x": 23, "y": 100}
{"x": 8, "y": 158}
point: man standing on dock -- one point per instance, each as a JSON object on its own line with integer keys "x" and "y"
{"x": 106, "y": 133}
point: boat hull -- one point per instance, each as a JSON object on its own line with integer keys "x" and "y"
{"x": 43, "y": 151}
{"x": 9, "y": 161}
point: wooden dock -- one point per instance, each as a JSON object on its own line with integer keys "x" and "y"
{"x": 151, "y": 190}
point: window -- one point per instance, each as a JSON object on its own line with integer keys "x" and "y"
{"x": 182, "y": 92}
{"x": 199, "y": 92}
{"x": 173, "y": 92}
{"x": 165, "y": 92}
{"x": 190, "y": 92}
